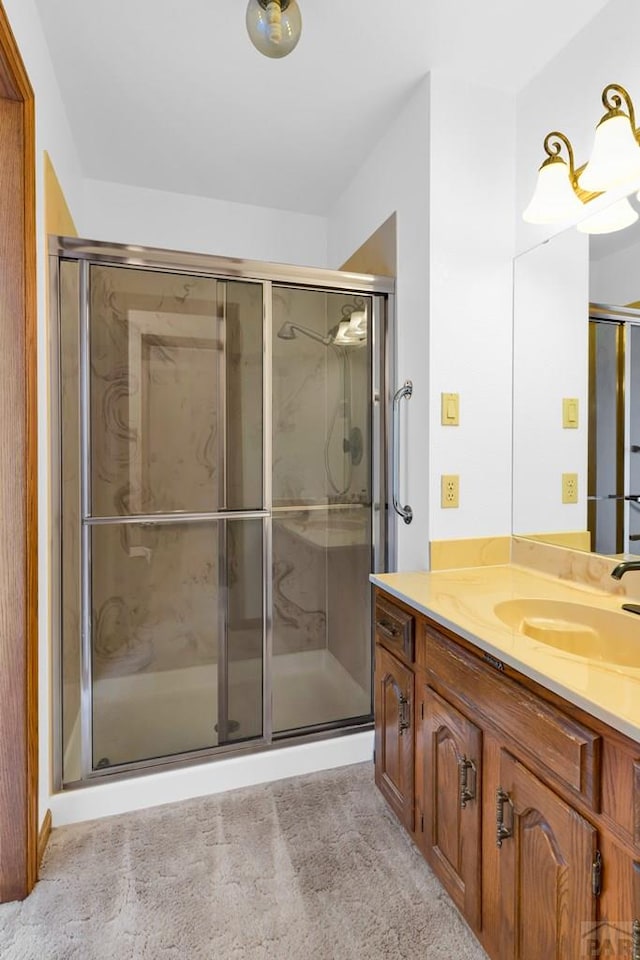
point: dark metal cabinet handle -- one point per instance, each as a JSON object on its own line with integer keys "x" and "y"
{"x": 503, "y": 832}
{"x": 386, "y": 627}
{"x": 466, "y": 781}
{"x": 404, "y": 721}
{"x": 636, "y": 940}
{"x": 596, "y": 874}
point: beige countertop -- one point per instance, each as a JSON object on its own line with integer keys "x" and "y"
{"x": 464, "y": 600}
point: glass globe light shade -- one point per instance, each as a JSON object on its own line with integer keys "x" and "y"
{"x": 616, "y": 217}
{"x": 353, "y": 330}
{"x": 274, "y": 43}
{"x": 554, "y": 198}
{"x": 615, "y": 158}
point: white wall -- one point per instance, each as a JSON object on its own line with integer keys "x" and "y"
{"x": 395, "y": 179}
{"x": 471, "y": 245}
{"x": 53, "y": 134}
{"x": 551, "y": 361}
{"x": 122, "y": 214}
{"x": 452, "y": 188}
{"x": 565, "y": 96}
{"x": 616, "y": 278}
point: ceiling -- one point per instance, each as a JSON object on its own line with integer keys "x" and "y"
{"x": 170, "y": 94}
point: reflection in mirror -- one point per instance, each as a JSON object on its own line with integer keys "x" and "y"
{"x": 576, "y": 366}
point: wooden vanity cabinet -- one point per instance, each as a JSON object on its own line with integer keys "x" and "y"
{"x": 526, "y": 808}
{"x": 394, "y": 708}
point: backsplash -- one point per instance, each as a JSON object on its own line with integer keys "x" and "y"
{"x": 590, "y": 569}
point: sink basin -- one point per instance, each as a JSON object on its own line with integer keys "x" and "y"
{"x": 583, "y": 631}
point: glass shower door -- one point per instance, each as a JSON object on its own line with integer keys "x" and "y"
{"x": 606, "y": 429}
{"x": 632, "y": 441}
{"x": 322, "y": 537}
{"x": 173, "y": 508}
{"x": 614, "y": 436}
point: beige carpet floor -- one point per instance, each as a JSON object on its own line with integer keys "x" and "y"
{"x": 313, "y": 868}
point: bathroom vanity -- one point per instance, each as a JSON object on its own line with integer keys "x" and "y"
{"x": 513, "y": 765}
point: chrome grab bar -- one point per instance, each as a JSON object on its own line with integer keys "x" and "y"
{"x": 405, "y": 512}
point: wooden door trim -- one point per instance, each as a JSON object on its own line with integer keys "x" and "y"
{"x": 20, "y": 820}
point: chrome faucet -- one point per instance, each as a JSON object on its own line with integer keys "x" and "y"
{"x": 618, "y": 572}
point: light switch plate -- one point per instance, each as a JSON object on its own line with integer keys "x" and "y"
{"x": 570, "y": 414}
{"x": 450, "y": 409}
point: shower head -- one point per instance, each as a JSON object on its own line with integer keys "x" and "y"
{"x": 286, "y": 332}
{"x": 289, "y": 330}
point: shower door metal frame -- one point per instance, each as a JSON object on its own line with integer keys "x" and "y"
{"x": 381, "y": 290}
{"x": 623, "y": 318}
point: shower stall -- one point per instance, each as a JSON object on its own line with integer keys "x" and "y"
{"x": 614, "y": 439}
{"x": 222, "y": 494}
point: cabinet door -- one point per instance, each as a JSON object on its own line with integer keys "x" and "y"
{"x": 546, "y": 856}
{"x": 636, "y": 911}
{"x": 394, "y": 734}
{"x": 452, "y": 808}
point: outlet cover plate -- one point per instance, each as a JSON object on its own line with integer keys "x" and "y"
{"x": 569, "y": 487}
{"x": 449, "y": 491}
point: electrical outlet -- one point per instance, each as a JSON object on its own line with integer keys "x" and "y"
{"x": 569, "y": 487}
{"x": 449, "y": 490}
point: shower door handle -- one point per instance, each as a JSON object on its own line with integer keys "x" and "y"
{"x": 405, "y": 512}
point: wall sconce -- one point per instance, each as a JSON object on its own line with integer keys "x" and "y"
{"x": 562, "y": 192}
{"x": 556, "y": 194}
{"x": 274, "y": 26}
{"x": 615, "y": 158}
{"x": 617, "y": 216}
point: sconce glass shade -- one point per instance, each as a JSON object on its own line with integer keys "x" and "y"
{"x": 616, "y": 217}
{"x": 615, "y": 159}
{"x": 353, "y": 330}
{"x": 261, "y": 34}
{"x": 554, "y": 198}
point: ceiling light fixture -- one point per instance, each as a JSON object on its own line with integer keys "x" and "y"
{"x": 562, "y": 192}
{"x": 274, "y": 26}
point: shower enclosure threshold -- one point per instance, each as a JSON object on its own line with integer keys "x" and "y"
{"x": 310, "y": 688}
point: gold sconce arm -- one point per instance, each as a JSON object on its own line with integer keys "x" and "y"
{"x": 612, "y": 97}
{"x": 553, "y": 143}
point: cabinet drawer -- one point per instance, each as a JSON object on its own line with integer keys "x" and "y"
{"x": 567, "y": 749}
{"x": 395, "y": 629}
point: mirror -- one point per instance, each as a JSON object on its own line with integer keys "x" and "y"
{"x": 576, "y": 391}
